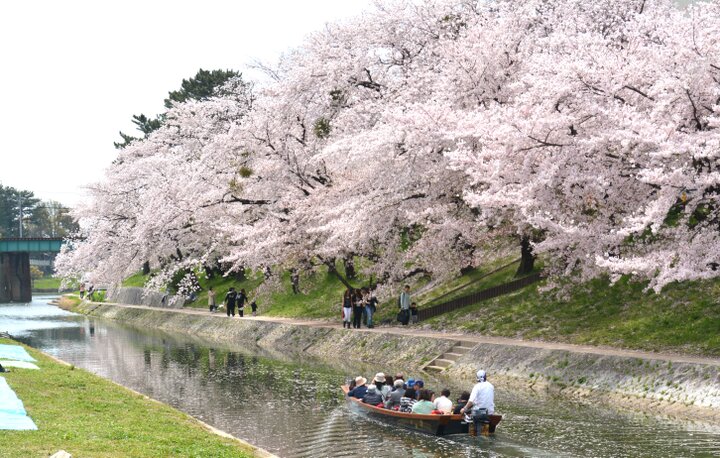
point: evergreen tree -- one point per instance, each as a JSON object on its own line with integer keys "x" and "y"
{"x": 200, "y": 87}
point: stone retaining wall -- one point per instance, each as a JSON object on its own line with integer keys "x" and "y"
{"x": 687, "y": 390}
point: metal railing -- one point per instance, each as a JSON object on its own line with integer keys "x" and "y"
{"x": 470, "y": 299}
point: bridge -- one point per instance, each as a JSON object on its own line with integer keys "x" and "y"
{"x": 15, "y": 281}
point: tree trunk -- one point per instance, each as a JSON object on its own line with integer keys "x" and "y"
{"x": 349, "y": 267}
{"x": 146, "y": 268}
{"x": 295, "y": 280}
{"x": 330, "y": 263}
{"x": 240, "y": 274}
{"x": 527, "y": 258}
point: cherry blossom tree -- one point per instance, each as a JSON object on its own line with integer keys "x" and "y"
{"x": 414, "y": 134}
{"x": 607, "y": 141}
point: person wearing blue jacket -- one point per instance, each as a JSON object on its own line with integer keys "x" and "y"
{"x": 360, "y": 388}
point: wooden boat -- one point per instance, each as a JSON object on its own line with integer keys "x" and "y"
{"x": 437, "y": 425}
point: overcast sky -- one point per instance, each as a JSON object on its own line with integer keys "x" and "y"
{"x": 74, "y": 72}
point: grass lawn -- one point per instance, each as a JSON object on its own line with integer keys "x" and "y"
{"x": 46, "y": 283}
{"x": 87, "y": 415}
{"x": 683, "y": 317}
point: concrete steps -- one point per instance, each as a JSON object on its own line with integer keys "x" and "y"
{"x": 449, "y": 358}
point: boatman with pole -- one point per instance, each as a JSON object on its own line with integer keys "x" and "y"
{"x": 481, "y": 403}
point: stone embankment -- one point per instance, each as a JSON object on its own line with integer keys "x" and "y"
{"x": 676, "y": 385}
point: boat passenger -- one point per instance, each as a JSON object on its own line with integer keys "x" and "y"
{"x": 410, "y": 388}
{"x": 393, "y": 400}
{"x": 417, "y": 386}
{"x": 401, "y": 377}
{"x": 360, "y": 388}
{"x": 443, "y": 403}
{"x": 373, "y": 396}
{"x": 408, "y": 398}
{"x": 461, "y": 401}
{"x": 381, "y": 382}
{"x": 424, "y": 405}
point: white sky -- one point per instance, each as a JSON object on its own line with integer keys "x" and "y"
{"x": 74, "y": 72}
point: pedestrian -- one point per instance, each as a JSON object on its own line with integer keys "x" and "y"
{"x": 404, "y": 303}
{"x": 371, "y": 307}
{"x": 211, "y": 300}
{"x": 347, "y": 306}
{"x": 230, "y": 299}
{"x": 253, "y": 306}
{"x": 82, "y": 290}
{"x": 414, "y": 312}
{"x": 358, "y": 309}
{"x": 241, "y": 298}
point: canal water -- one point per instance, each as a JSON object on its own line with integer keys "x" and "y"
{"x": 291, "y": 405}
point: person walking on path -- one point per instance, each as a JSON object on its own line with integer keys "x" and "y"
{"x": 230, "y": 299}
{"x": 253, "y": 307}
{"x": 347, "y": 306}
{"x": 82, "y": 290}
{"x": 241, "y": 298}
{"x": 405, "y": 303}
{"x": 211, "y": 300}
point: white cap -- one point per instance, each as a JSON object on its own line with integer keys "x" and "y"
{"x": 481, "y": 375}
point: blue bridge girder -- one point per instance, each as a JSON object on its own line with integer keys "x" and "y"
{"x": 30, "y": 245}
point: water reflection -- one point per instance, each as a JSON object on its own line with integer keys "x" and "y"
{"x": 290, "y": 404}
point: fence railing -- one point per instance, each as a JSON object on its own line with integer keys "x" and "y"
{"x": 489, "y": 293}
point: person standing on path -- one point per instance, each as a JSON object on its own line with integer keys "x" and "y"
{"x": 347, "y": 306}
{"x": 370, "y": 306}
{"x": 253, "y": 307}
{"x": 358, "y": 309}
{"x": 230, "y": 299}
{"x": 241, "y": 298}
{"x": 211, "y": 300}
{"x": 414, "y": 312}
{"x": 405, "y": 303}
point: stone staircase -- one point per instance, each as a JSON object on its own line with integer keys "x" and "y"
{"x": 448, "y": 358}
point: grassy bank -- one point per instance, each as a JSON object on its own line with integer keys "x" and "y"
{"x": 87, "y": 415}
{"x": 683, "y": 317}
{"x": 46, "y": 283}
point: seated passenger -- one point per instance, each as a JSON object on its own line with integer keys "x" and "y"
{"x": 424, "y": 405}
{"x": 388, "y": 387}
{"x": 461, "y": 401}
{"x": 360, "y": 388}
{"x": 393, "y": 400}
{"x": 410, "y": 389}
{"x": 399, "y": 376}
{"x": 417, "y": 386}
{"x": 406, "y": 403}
{"x": 379, "y": 382}
{"x": 373, "y": 396}
{"x": 443, "y": 403}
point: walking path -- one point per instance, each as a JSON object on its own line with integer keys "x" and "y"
{"x": 473, "y": 338}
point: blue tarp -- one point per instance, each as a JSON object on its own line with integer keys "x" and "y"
{"x": 12, "y": 411}
{"x": 15, "y": 352}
